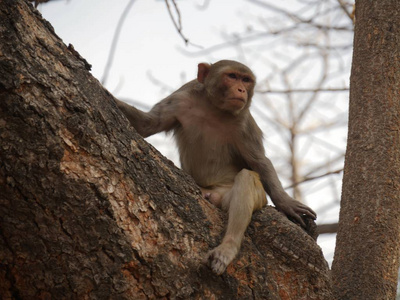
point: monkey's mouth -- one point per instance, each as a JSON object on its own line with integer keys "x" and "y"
{"x": 237, "y": 99}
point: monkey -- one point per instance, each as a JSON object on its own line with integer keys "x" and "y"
{"x": 221, "y": 147}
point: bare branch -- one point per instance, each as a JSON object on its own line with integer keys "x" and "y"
{"x": 314, "y": 178}
{"x": 314, "y": 96}
{"x": 343, "y": 6}
{"x": 319, "y": 90}
{"x": 178, "y": 23}
{"x": 204, "y": 5}
{"x": 115, "y": 41}
{"x": 164, "y": 87}
{"x": 298, "y": 19}
{"x": 328, "y": 228}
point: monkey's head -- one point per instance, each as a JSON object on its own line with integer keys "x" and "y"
{"x": 229, "y": 85}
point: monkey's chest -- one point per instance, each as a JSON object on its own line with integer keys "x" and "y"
{"x": 207, "y": 144}
{"x": 208, "y": 153}
{"x": 206, "y": 129}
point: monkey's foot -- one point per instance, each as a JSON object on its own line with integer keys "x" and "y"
{"x": 220, "y": 257}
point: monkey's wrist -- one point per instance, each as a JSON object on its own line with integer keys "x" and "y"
{"x": 281, "y": 199}
{"x": 274, "y": 195}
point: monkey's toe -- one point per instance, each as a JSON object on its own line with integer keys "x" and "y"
{"x": 218, "y": 268}
{"x": 219, "y": 258}
{"x": 217, "y": 263}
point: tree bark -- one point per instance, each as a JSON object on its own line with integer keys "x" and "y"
{"x": 366, "y": 260}
{"x": 89, "y": 210}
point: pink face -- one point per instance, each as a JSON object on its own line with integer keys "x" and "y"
{"x": 229, "y": 85}
{"x": 237, "y": 89}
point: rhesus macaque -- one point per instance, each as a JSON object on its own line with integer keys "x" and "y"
{"x": 220, "y": 146}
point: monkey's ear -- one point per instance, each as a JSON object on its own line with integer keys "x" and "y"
{"x": 202, "y": 72}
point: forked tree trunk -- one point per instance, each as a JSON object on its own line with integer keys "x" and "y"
{"x": 368, "y": 242}
{"x": 89, "y": 210}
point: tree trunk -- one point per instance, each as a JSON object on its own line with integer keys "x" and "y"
{"x": 89, "y": 210}
{"x": 366, "y": 260}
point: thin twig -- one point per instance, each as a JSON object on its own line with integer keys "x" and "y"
{"x": 343, "y": 6}
{"x": 328, "y": 228}
{"x": 115, "y": 42}
{"x": 288, "y": 91}
{"x": 298, "y": 19}
{"x": 314, "y": 178}
{"x": 178, "y": 23}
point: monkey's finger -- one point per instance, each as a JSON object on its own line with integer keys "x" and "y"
{"x": 311, "y": 213}
{"x": 306, "y": 211}
{"x": 299, "y": 220}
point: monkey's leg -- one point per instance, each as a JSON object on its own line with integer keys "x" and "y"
{"x": 247, "y": 194}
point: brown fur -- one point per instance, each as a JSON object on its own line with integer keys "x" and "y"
{"x": 220, "y": 146}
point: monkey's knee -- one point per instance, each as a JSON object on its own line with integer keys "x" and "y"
{"x": 248, "y": 177}
{"x": 250, "y": 181}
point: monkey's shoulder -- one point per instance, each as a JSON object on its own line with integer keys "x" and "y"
{"x": 186, "y": 96}
{"x": 192, "y": 88}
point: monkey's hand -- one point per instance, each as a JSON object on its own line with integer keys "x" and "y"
{"x": 294, "y": 209}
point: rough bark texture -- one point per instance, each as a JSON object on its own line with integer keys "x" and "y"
{"x": 89, "y": 210}
{"x": 368, "y": 242}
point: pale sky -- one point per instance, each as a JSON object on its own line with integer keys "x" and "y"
{"x": 148, "y": 42}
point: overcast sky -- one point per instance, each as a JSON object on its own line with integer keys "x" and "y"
{"x": 149, "y": 42}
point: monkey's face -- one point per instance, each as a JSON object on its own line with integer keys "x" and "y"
{"x": 235, "y": 90}
{"x": 229, "y": 85}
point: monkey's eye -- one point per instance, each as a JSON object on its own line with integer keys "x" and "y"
{"x": 246, "y": 79}
{"x": 232, "y": 75}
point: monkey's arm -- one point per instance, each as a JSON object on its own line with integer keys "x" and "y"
{"x": 281, "y": 199}
{"x": 252, "y": 151}
{"x": 160, "y": 118}
{"x": 273, "y": 187}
